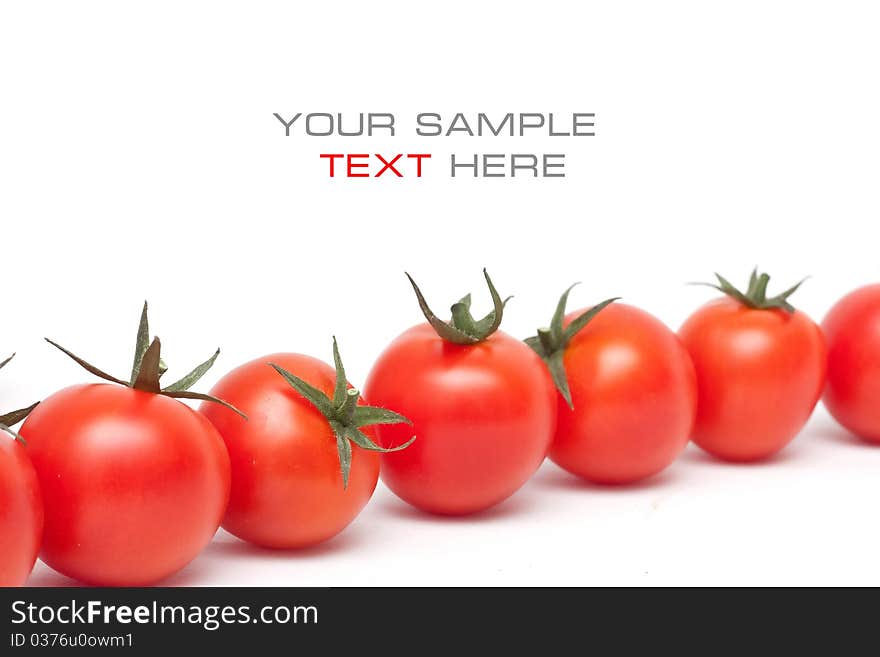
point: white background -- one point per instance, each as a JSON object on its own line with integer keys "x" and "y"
{"x": 139, "y": 158}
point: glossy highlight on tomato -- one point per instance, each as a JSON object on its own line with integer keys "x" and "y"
{"x": 852, "y": 331}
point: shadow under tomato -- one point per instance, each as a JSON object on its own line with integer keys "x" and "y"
{"x": 838, "y": 434}
{"x": 226, "y": 545}
{"x": 519, "y": 503}
{"x": 212, "y": 560}
{"x": 194, "y": 573}
{"x": 552, "y": 476}
{"x": 789, "y": 453}
{"x": 44, "y": 577}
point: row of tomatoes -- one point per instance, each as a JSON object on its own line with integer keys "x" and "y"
{"x": 120, "y": 483}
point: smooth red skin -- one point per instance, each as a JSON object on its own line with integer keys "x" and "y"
{"x": 760, "y": 374}
{"x": 483, "y": 416}
{"x": 852, "y": 392}
{"x": 287, "y": 488}
{"x": 134, "y": 484}
{"x": 634, "y": 393}
{"x": 21, "y": 513}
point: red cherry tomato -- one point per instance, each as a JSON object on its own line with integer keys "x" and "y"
{"x": 634, "y": 398}
{"x": 852, "y": 331}
{"x": 21, "y": 513}
{"x": 483, "y": 416}
{"x": 134, "y": 483}
{"x": 482, "y": 405}
{"x": 760, "y": 372}
{"x": 287, "y": 485}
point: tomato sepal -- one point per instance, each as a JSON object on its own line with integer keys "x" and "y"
{"x": 344, "y": 415}
{"x": 463, "y": 328}
{"x": 550, "y": 342}
{"x": 9, "y": 420}
{"x": 148, "y": 369}
{"x": 755, "y": 296}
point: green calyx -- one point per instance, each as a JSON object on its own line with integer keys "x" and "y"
{"x": 755, "y": 295}
{"x": 9, "y": 420}
{"x": 463, "y": 328}
{"x": 148, "y": 368}
{"x": 550, "y": 342}
{"x": 344, "y": 415}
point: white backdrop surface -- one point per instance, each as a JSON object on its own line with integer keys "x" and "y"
{"x": 139, "y": 158}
